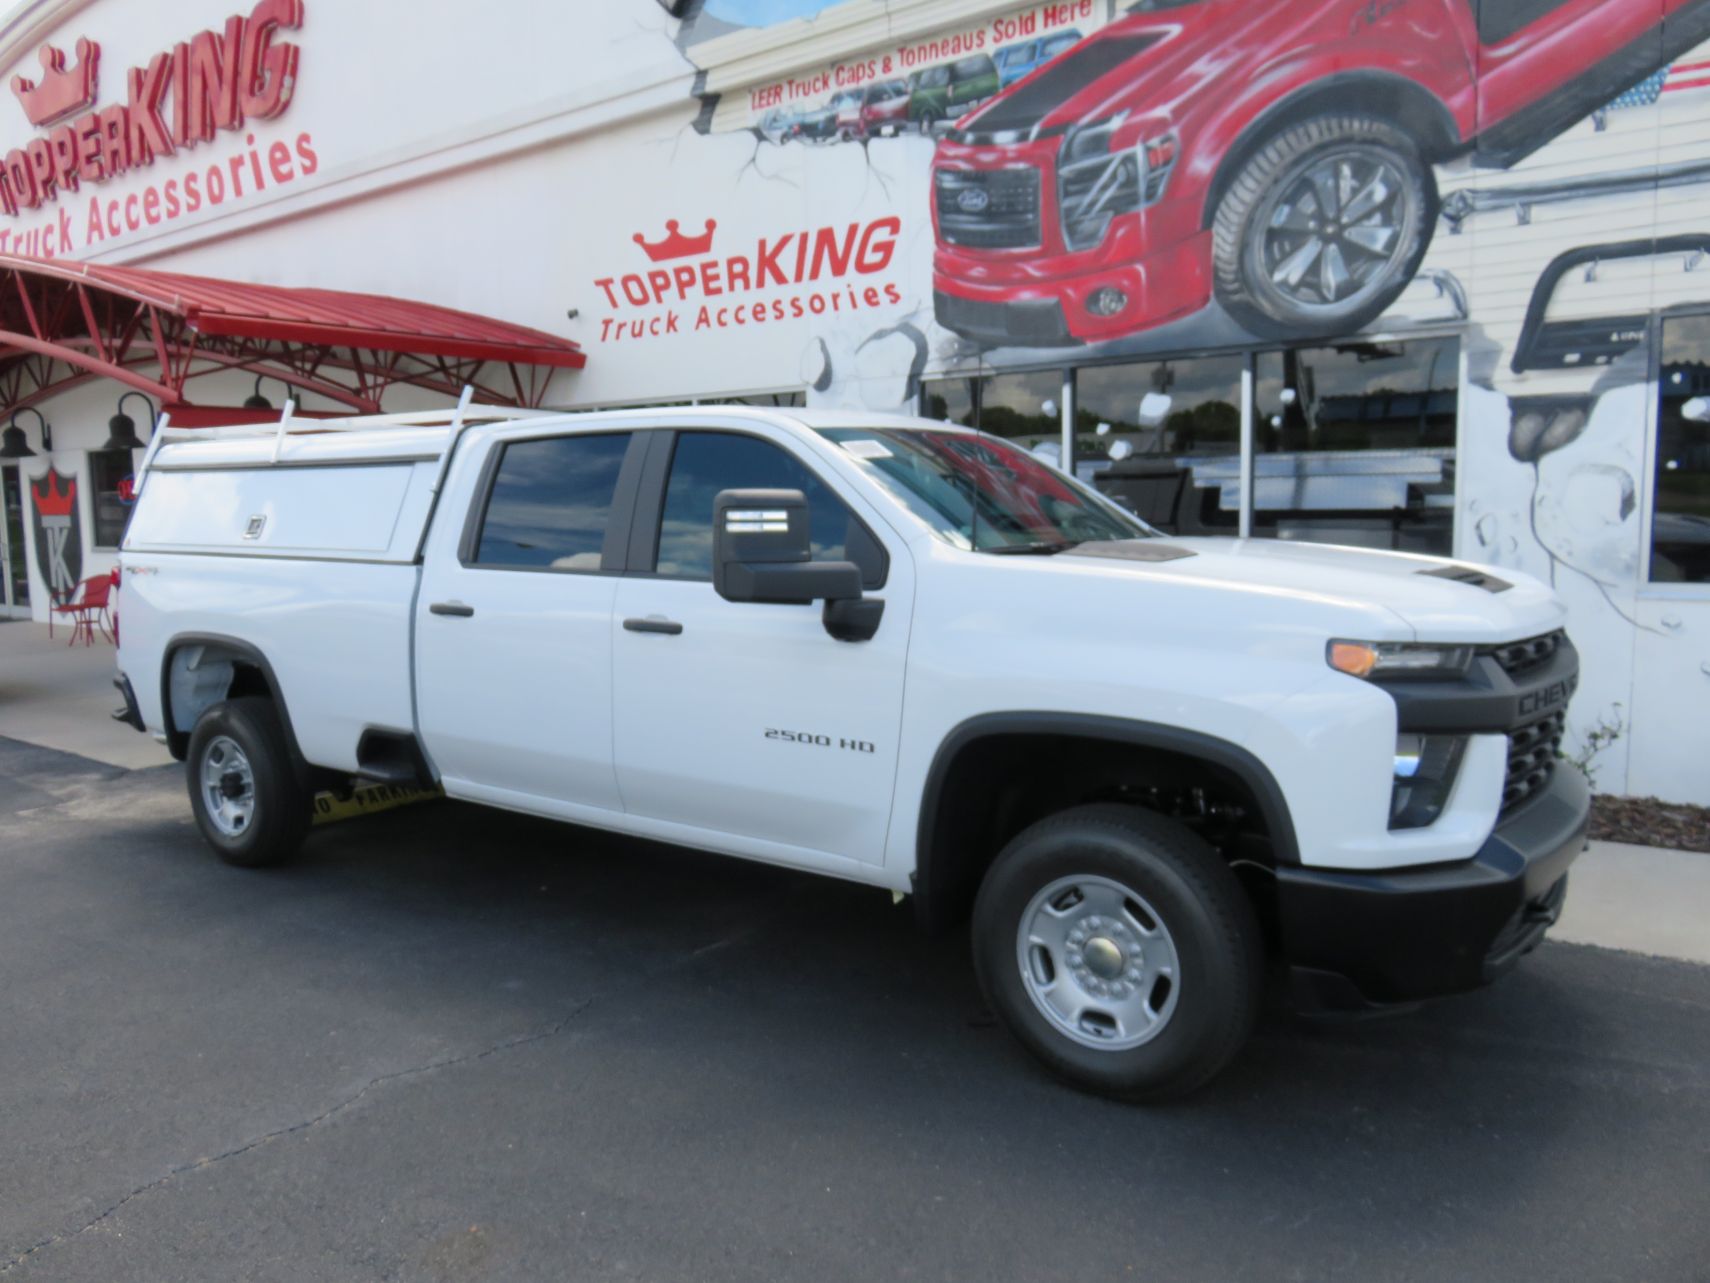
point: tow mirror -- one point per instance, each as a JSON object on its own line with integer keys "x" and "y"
{"x": 763, "y": 552}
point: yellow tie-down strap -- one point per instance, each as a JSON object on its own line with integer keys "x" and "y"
{"x": 368, "y": 800}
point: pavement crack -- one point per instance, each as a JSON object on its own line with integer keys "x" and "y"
{"x": 382, "y": 1080}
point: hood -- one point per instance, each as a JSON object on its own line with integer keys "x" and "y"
{"x": 1097, "y": 77}
{"x": 1438, "y": 599}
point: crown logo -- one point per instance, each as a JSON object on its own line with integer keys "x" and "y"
{"x": 675, "y": 244}
{"x": 61, "y": 92}
{"x": 51, "y": 500}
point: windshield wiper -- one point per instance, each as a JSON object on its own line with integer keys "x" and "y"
{"x": 1044, "y": 548}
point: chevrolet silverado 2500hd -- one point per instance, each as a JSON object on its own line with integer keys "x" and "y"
{"x": 891, "y": 651}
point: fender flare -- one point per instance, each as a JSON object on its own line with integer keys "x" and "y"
{"x": 1347, "y": 87}
{"x": 1239, "y": 762}
{"x": 178, "y": 740}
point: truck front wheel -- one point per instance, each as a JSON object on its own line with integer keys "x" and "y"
{"x": 1323, "y": 227}
{"x": 1120, "y": 950}
{"x": 246, "y": 796}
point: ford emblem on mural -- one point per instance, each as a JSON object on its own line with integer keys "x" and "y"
{"x": 59, "y": 543}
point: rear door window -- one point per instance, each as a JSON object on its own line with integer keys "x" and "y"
{"x": 550, "y": 503}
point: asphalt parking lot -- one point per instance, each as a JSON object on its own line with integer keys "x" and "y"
{"x": 452, "y": 1044}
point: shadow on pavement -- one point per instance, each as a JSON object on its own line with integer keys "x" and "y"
{"x": 738, "y": 1071}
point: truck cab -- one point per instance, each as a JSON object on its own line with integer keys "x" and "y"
{"x": 890, "y": 651}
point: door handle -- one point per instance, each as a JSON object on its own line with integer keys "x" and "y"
{"x": 454, "y": 608}
{"x": 670, "y": 627}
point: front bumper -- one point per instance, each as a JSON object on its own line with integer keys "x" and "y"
{"x": 1360, "y": 940}
{"x": 998, "y": 303}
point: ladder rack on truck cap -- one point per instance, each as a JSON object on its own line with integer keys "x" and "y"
{"x": 414, "y": 434}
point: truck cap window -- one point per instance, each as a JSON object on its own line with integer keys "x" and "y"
{"x": 550, "y": 502}
{"x": 982, "y": 493}
{"x": 705, "y": 463}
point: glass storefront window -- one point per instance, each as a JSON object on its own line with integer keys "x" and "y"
{"x": 1163, "y": 438}
{"x": 107, "y": 469}
{"x": 1680, "y": 520}
{"x": 1355, "y": 444}
{"x": 1021, "y": 407}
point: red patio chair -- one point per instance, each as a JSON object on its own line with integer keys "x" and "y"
{"x": 86, "y": 607}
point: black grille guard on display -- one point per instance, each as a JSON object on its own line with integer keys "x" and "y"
{"x": 1579, "y": 342}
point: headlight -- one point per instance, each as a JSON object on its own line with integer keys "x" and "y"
{"x": 1399, "y": 659}
{"x": 1425, "y": 769}
{"x": 1095, "y": 184}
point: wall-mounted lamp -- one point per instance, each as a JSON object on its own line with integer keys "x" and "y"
{"x": 122, "y": 429}
{"x": 255, "y": 401}
{"x": 15, "y": 446}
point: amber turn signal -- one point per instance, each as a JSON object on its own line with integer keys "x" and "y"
{"x": 1354, "y": 658}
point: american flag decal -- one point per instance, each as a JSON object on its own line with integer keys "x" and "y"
{"x": 1682, "y": 75}
{"x": 1687, "y": 75}
{"x": 1643, "y": 94}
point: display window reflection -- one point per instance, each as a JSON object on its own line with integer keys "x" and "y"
{"x": 1680, "y": 520}
{"x": 1021, "y": 407}
{"x": 1355, "y": 444}
{"x": 1163, "y": 438}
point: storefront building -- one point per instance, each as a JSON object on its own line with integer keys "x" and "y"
{"x": 1425, "y": 275}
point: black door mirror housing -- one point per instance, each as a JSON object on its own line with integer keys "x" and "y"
{"x": 763, "y": 552}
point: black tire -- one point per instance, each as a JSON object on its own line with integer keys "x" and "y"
{"x": 280, "y": 805}
{"x": 1249, "y": 250}
{"x": 1188, "y": 890}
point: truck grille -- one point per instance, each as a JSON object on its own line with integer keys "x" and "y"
{"x": 1521, "y": 657}
{"x": 988, "y": 208}
{"x": 1532, "y": 753}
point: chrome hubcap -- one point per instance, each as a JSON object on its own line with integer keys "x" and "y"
{"x": 1098, "y": 962}
{"x": 1336, "y": 231}
{"x": 228, "y": 786}
{"x": 1103, "y": 957}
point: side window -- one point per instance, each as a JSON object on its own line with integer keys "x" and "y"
{"x": 1500, "y": 19}
{"x": 550, "y": 502}
{"x": 108, "y": 470}
{"x": 1680, "y": 525}
{"x": 705, "y": 463}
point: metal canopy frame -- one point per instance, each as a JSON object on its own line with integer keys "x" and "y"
{"x": 63, "y": 324}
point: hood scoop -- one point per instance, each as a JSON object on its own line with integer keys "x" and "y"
{"x": 1132, "y": 550}
{"x": 1471, "y": 576}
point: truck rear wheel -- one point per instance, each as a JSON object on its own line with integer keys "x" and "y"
{"x": 1323, "y": 228}
{"x": 1120, "y": 950}
{"x": 246, "y": 796}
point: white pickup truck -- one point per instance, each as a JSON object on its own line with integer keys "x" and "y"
{"x": 891, "y": 651}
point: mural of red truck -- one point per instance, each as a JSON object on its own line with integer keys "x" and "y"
{"x": 1277, "y": 158}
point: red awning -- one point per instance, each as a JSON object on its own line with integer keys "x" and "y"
{"x": 62, "y": 323}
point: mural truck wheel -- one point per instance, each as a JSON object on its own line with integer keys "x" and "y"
{"x": 1323, "y": 227}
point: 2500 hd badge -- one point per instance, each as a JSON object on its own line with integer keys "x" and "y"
{"x": 820, "y": 741}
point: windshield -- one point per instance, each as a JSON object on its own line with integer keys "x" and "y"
{"x": 983, "y": 493}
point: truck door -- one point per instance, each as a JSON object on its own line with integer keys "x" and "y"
{"x": 749, "y": 719}
{"x": 1544, "y": 65}
{"x": 513, "y": 625}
